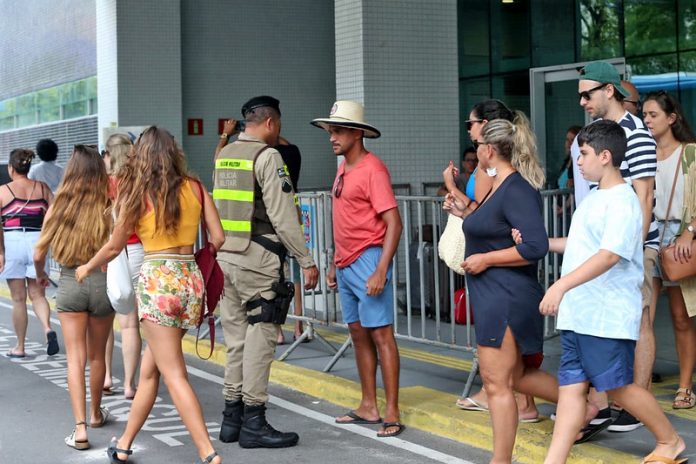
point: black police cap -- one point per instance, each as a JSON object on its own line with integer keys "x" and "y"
{"x": 258, "y": 102}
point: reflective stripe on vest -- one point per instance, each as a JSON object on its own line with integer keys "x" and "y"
{"x": 234, "y": 195}
{"x": 231, "y": 163}
{"x": 234, "y": 192}
{"x": 236, "y": 226}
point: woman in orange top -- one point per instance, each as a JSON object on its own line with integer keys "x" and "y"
{"x": 161, "y": 203}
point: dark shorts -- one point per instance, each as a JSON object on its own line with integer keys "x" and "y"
{"x": 89, "y": 296}
{"x": 606, "y": 363}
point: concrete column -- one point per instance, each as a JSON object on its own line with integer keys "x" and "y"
{"x": 139, "y": 64}
{"x": 399, "y": 58}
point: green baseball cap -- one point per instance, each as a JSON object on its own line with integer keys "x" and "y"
{"x": 603, "y": 72}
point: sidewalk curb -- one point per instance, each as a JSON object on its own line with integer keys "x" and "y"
{"x": 422, "y": 408}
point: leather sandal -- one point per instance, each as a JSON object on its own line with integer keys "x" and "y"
{"x": 113, "y": 451}
{"x": 685, "y": 399}
{"x": 104, "y": 418}
{"x": 80, "y": 445}
{"x": 208, "y": 459}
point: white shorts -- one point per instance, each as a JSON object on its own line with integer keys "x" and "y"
{"x": 136, "y": 253}
{"x": 19, "y": 254}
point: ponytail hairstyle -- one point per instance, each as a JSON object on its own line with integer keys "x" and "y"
{"x": 20, "y": 160}
{"x": 670, "y": 105}
{"x": 515, "y": 143}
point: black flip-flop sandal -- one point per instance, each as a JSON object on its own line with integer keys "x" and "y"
{"x": 355, "y": 419}
{"x": 52, "y": 340}
{"x": 385, "y": 425}
{"x": 591, "y": 430}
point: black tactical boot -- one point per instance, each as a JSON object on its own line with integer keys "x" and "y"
{"x": 257, "y": 433}
{"x": 231, "y": 421}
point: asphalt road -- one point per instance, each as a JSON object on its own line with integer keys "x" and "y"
{"x": 35, "y": 417}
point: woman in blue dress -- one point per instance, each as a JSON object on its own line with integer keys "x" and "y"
{"x": 502, "y": 276}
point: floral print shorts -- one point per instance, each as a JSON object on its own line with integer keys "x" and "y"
{"x": 170, "y": 290}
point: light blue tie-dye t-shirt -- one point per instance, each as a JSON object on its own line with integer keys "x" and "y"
{"x": 609, "y": 305}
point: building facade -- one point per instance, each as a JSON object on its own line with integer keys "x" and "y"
{"x": 71, "y": 68}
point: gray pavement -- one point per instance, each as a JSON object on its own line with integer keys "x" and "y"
{"x": 35, "y": 417}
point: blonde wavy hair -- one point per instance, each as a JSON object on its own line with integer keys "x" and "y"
{"x": 516, "y": 143}
{"x": 80, "y": 219}
{"x": 153, "y": 176}
{"x": 118, "y": 146}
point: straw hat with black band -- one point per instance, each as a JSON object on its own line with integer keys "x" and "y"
{"x": 347, "y": 113}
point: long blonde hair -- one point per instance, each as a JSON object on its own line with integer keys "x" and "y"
{"x": 80, "y": 219}
{"x": 154, "y": 174}
{"x": 118, "y": 146}
{"x": 516, "y": 143}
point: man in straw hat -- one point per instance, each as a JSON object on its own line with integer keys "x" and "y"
{"x": 367, "y": 228}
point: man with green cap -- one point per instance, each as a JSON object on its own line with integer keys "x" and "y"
{"x": 601, "y": 95}
{"x": 256, "y": 201}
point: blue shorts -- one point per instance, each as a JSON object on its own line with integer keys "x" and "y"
{"x": 371, "y": 311}
{"x": 607, "y": 363}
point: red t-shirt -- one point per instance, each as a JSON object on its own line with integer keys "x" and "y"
{"x": 365, "y": 193}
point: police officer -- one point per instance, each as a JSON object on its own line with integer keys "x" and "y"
{"x": 257, "y": 208}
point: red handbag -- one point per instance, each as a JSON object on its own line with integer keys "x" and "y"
{"x": 460, "y": 308}
{"x": 213, "y": 280}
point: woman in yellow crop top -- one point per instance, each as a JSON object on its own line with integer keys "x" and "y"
{"x": 158, "y": 200}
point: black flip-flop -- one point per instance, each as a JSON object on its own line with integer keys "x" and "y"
{"x": 591, "y": 430}
{"x": 10, "y": 354}
{"x": 355, "y": 419}
{"x": 385, "y": 425}
{"x": 52, "y": 339}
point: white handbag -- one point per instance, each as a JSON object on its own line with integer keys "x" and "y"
{"x": 451, "y": 245}
{"x": 119, "y": 284}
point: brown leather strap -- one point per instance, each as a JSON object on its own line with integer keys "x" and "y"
{"x": 671, "y": 195}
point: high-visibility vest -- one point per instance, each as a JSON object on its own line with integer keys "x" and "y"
{"x": 237, "y": 195}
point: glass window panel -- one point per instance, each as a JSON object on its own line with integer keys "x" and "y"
{"x": 48, "y": 103}
{"x": 513, "y": 90}
{"x": 91, "y": 89}
{"x": 553, "y": 41}
{"x": 687, "y": 86}
{"x": 651, "y": 65}
{"x": 8, "y": 108}
{"x": 650, "y": 26}
{"x": 510, "y": 45}
{"x": 599, "y": 29}
{"x": 474, "y": 46}
{"x": 75, "y": 110}
{"x": 563, "y": 110}
{"x": 7, "y": 123}
{"x": 687, "y": 24}
{"x": 471, "y": 91}
{"x": 26, "y": 119}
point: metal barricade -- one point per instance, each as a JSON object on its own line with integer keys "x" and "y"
{"x": 424, "y": 287}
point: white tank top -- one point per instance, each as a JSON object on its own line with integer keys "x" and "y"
{"x": 663, "y": 187}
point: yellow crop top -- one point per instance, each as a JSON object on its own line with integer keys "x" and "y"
{"x": 188, "y": 223}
